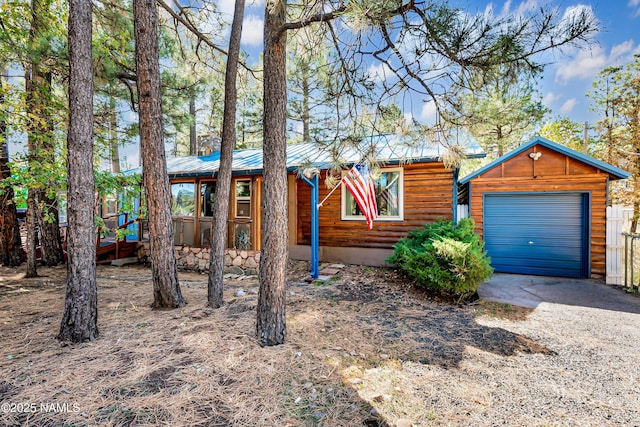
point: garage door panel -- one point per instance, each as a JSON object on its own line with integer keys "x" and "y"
{"x": 536, "y": 233}
{"x": 538, "y": 270}
{"x": 524, "y": 257}
{"x": 552, "y": 234}
{"x": 571, "y": 253}
{"x": 559, "y": 239}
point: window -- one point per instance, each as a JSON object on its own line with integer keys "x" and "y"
{"x": 183, "y": 199}
{"x": 243, "y": 198}
{"x": 109, "y": 205}
{"x": 389, "y": 197}
{"x": 207, "y": 197}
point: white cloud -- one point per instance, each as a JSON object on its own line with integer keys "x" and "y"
{"x": 255, "y": 3}
{"x": 526, "y": 6}
{"x": 252, "y": 30}
{"x": 408, "y": 117}
{"x": 519, "y": 10}
{"x": 226, "y": 7}
{"x": 550, "y": 98}
{"x": 573, "y": 13}
{"x": 584, "y": 65}
{"x": 506, "y": 8}
{"x": 429, "y": 114}
{"x": 622, "y": 49}
{"x": 379, "y": 72}
{"x": 587, "y": 63}
{"x": 568, "y": 106}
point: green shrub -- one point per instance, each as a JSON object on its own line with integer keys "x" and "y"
{"x": 444, "y": 258}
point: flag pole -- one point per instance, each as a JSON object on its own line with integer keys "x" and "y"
{"x": 334, "y": 188}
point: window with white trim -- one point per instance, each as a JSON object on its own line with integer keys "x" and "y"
{"x": 243, "y": 198}
{"x": 389, "y": 197}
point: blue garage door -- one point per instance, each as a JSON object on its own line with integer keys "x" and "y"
{"x": 542, "y": 234}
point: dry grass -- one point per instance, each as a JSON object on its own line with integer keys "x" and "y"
{"x": 502, "y": 310}
{"x": 200, "y": 367}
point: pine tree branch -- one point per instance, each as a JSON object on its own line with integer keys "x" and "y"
{"x": 201, "y": 37}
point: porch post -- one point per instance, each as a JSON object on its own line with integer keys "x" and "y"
{"x": 315, "y": 229}
{"x": 454, "y": 213}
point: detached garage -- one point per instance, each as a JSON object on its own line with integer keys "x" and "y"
{"x": 541, "y": 209}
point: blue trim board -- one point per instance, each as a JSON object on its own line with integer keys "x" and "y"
{"x": 586, "y": 206}
{"x": 610, "y": 169}
{"x": 454, "y": 198}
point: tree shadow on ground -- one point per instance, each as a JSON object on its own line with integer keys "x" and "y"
{"x": 424, "y": 331}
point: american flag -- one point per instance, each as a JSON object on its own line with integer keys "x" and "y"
{"x": 390, "y": 196}
{"x": 363, "y": 190}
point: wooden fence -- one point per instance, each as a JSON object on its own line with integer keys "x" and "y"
{"x": 463, "y": 211}
{"x": 618, "y": 222}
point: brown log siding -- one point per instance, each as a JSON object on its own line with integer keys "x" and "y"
{"x": 427, "y": 196}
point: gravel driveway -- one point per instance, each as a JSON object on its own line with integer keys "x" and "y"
{"x": 593, "y": 379}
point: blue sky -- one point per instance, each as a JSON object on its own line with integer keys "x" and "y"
{"x": 569, "y": 74}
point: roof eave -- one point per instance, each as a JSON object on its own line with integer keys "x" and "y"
{"x": 610, "y": 169}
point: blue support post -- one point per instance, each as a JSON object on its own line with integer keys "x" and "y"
{"x": 315, "y": 228}
{"x": 454, "y": 213}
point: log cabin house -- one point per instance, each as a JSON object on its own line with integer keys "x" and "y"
{"x": 413, "y": 188}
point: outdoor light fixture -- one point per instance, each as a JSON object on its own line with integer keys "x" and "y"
{"x": 535, "y": 155}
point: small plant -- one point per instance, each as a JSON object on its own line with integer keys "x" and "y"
{"x": 445, "y": 258}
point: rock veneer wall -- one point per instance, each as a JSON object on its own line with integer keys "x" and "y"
{"x": 236, "y": 261}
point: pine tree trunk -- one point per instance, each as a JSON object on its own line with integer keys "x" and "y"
{"x": 41, "y": 138}
{"x": 50, "y": 241}
{"x": 193, "y": 135}
{"x": 166, "y": 289}
{"x": 113, "y": 135}
{"x": 80, "y": 319}
{"x": 10, "y": 241}
{"x": 223, "y": 185}
{"x": 32, "y": 221}
{"x": 306, "y": 94}
{"x": 271, "y": 317}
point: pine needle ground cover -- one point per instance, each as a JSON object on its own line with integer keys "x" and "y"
{"x": 363, "y": 349}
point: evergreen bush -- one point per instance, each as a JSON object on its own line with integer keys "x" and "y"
{"x": 446, "y": 258}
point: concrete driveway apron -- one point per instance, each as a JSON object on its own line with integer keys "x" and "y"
{"x": 529, "y": 291}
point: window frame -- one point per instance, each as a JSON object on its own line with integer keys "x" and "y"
{"x": 396, "y": 218}
{"x": 202, "y": 202}
{"x": 243, "y": 198}
{"x": 196, "y": 195}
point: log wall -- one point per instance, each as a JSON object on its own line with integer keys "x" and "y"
{"x": 428, "y": 190}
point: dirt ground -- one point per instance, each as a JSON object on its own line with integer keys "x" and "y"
{"x": 200, "y": 367}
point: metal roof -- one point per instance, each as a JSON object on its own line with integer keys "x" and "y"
{"x": 387, "y": 149}
{"x": 610, "y": 169}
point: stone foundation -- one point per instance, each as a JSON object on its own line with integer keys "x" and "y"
{"x": 190, "y": 258}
